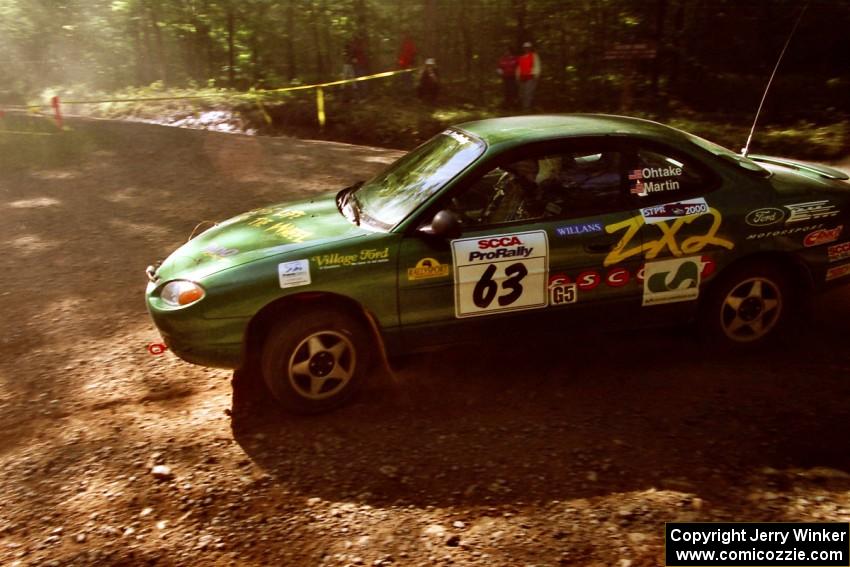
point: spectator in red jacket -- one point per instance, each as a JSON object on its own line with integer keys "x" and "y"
{"x": 527, "y": 72}
{"x": 407, "y": 60}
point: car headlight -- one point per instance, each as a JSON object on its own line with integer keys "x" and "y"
{"x": 180, "y": 293}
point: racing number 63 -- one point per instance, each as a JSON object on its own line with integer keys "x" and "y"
{"x": 486, "y": 288}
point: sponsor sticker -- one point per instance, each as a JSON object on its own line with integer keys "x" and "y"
{"x": 839, "y": 252}
{"x": 363, "y": 257}
{"x": 619, "y": 276}
{"x": 581, "y": 228}
{"x": 671, "y": 281}
{"x": 561, "y": 292}
{"x": 813, "y": 210}
{"x": 635, "y": 242}
{"x": 220, "y": 251}
{"x": 427, "y": 268}
{"x": 838, "y": 272}
{"x": 499, "y": 273}
{"x": 822, "y": 236}
{"x": 784, "y": 231}
{"x": 765, "y": 217}
{"x": 673, "y": 211}
{"x": 643, "y": 184}
{"x": 293, "y": 274}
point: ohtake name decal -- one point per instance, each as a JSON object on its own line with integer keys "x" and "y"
{"x": 617, "y": 276}
{"x": 668, "y": 238}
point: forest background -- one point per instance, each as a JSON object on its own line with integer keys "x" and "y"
{"x": 704, "y": 66}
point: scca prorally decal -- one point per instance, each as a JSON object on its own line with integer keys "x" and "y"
{"x": 578, "y": 229}
{"x": 838, "y": 272}
{"x": 671, "y": 281}
{"x": 362, "y": 257}
{"x": 293, "y": 274}
{"x": 642, "y": 187}
{"x": 652, "y": 248}
{"x": 427, "y": 268}
{"x": 498, "y": 273}
{"x": 783, "y": 232}
{"x": 497, "y": 248}
{"x": 812, "y": 210}
{"x": 839, "y": 252}
{"x": 765, "y": 217}
{"x": 673, "y": 211}
{"x": 822, "y": 236}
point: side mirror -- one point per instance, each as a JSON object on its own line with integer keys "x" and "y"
{"x": 446, "y": 224}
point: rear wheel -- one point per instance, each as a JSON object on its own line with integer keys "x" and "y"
{"x": 750, "y": 306}
{"x": 316, "y": 361}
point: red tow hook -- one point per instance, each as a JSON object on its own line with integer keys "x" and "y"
{"x": 157, "y": 348}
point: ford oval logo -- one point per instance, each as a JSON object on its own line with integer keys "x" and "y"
{"x": 765, "y": 217}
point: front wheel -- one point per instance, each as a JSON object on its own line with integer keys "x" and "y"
{"x": 316, "y": 361}
{"x": 749, "y": 306}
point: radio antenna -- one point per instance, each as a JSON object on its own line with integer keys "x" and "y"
{"x": 746, "y": 150}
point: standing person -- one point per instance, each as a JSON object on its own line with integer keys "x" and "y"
{"x": 407, "y": 60}
{"x": 429, "y": 82}
{"x": 507, "y": 70}
{"x": 528, "y": 72}
{"x": 348, "y": 72}
{"x": 360, "y": 60}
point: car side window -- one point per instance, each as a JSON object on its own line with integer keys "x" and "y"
{"x": 555, "y": 185}
{"x": 657, "y": 176}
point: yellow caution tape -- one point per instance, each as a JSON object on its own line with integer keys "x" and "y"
{"x": 28, "y": 133}
{"x": 258, "y": 95}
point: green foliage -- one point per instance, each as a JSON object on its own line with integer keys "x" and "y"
{"x": 713, "y": 59}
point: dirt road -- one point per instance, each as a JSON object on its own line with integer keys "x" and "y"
{"x": 571, "y": 451}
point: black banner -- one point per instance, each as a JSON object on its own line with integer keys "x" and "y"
{"x": 743, "y": 544}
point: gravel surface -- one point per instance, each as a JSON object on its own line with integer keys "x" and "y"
{"x": 570, "y": 449}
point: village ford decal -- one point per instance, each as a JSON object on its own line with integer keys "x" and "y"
{"x": 500, "y": 272}
{"x": 765, "y": 217}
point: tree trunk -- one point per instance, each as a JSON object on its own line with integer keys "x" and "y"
{"x": 153, "y": 19}
{"x": 660, "y": 16}
{"x": 317, "y": 41}
{"x": 231, "y": 50}
{"x": 291, "y": 70}
{"x": 520, "y": 13}
{"x": 430, "y": 28}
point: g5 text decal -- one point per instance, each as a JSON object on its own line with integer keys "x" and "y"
{"x": 670, "y": 281}
{"x": 561, "y": 291}
{"x": 505, "y": 272}
{"x": 653, "y": 248}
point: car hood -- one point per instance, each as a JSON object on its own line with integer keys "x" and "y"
{"x": 257, "y": 234}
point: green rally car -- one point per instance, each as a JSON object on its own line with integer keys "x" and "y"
{"x": 505, "y": 224}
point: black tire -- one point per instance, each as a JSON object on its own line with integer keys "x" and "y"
{"x": 316, "y": 361}
{"x": 751, "y": 305}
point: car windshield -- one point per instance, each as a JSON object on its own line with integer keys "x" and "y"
{"x": 396, "y": 192}
{"x": 729, "y": 155}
